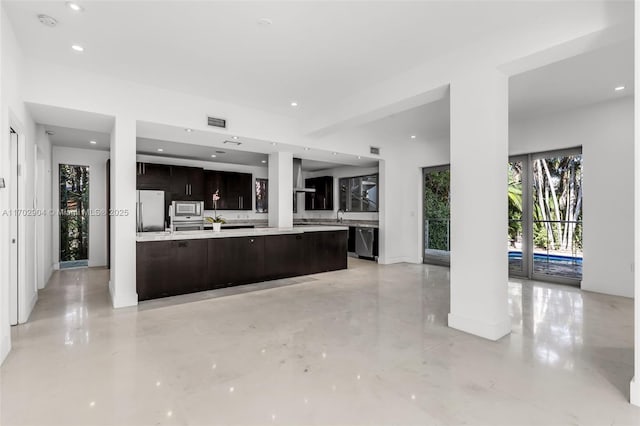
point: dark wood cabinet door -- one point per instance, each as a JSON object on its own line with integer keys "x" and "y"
{"x": 178, "y": 184}
{"x": 153, "y": 263}
{"x": 236, "y": 190}
{"x": 325, "y": 251}
{"x": 196, "y": 184}
{"x": 283, "y": 256}
{"x": 188, "y": 266}
{"x": 153, "y": 176}
{"x": 187, "y": 183}
{"x": 322, "y": 199}
{"x": 235, "y": 261}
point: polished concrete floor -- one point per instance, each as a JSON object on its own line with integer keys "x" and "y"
{"x": 368, "y": 345}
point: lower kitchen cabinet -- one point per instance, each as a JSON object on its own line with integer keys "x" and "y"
{"x": 284, "y": 256}
{"x": 169, "y": 268}
{"x": 323, "y": 251}
{"x": 234, "y": 261}
{"x": 153, "y": 263}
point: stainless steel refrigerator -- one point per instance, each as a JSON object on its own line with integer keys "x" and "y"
{"x": 150, "y": 211}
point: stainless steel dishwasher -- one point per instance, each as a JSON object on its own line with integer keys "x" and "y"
{"x": 364, "y": 241}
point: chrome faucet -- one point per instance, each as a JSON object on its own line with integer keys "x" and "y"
{"x": 338, "y": 216}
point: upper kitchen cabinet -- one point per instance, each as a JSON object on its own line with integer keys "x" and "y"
{"x": 187, "y": 183}
{"x": 322, "y": 199}
{"x": 152, "y": 176}
{"x": 235, "y": 190}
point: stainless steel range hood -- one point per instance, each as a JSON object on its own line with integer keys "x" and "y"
{"x": 298, "y": 181}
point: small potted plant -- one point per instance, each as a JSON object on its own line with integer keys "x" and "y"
{"x": 216, "y": 220}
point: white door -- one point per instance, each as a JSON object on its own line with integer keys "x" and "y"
{"x": 13, "y": 233}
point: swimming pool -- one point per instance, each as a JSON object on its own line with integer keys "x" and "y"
{"x": 548, "y": 258}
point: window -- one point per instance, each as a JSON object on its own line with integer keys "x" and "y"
{"x": 262, "y": 195}
{"x": 359, "y": 193}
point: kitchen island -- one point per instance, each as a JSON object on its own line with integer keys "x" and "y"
{"x": 173, "y": 263}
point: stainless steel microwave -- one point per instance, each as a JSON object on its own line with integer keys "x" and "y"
{"x": 184, "y": 209}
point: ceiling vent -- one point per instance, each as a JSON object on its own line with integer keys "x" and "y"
{"x": 374, "y": 150}
{"x": 217, "y": 122}
{"x": 47, "y": 20}
{"x": 236, "y": 143}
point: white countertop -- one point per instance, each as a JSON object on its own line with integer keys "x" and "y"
{"x": 229, "y": 233}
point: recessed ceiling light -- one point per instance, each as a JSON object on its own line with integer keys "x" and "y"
{"x": 93, "y": 142}
{"x": 274, "y": 143}
{"x": 234, "y": 137}
{"x": 619, "y": 88}
{"x": 413, "y": 136}
{"x": 359, "y": 157}
{"x": 74, "y": 6}
{"x": 264, "y": 161}
{"x": 334, "y": 153}
{"x": 213, "y": 156}
{"x": 294, "y": 104}
{"x": 188, "y": 130}
{"x": 77, "y": 48}
{"x": 265, "y": 22}
{"x": 160, "y": 149}
{"x": 306, "y": 148}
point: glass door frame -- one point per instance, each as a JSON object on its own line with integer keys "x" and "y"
{"x": 527, "y": 212}
{"x": 425, "y": 241}
{"x": 527, "y": 216}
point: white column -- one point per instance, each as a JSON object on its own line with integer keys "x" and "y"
{"x": 635, "y": 382}
{"x": 122, "y": 285}
{"x": 479, "y": 156}
{"x": 281, "y": 190}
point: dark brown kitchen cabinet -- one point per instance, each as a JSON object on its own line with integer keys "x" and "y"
{"x": 187, "y": 183}
{"x": 284, "y": 256}
{"x": 154, "y": 261}
{"x": 233, "y": 261}
{"x": 324, "y": 251}
{"x": 322, "y": 199}
{"x": 235, "y": 190}
{"x": 169, "y": 268}
{"x": 153, "y": 176}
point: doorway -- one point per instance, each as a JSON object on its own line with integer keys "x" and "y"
{"x": 436, "y": 215}
{"x": 74, "y": 217}
{"x": 14, "y": 262}
{"x": 545, "y": 216}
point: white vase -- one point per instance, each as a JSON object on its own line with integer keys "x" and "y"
{"x": 216, "y": 226}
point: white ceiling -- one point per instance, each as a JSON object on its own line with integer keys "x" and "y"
{"x": 223, "y": 154}
{"x": 315, "y": 52}
{"x": 581, "y": 80}
{"x": 78, "y": 138}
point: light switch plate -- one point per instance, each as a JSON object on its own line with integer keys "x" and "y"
{"x": 2, "y": 183}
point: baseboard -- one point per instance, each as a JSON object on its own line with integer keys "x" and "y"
{"x": 5, "y": 348}
{"x": 122, "y": 302}
{"x": 30, "y": 306}
{"x": 56, "y": 266}
{"x": 634, "y": 392}
{"x": 491, "y": 331}
{"x": 397, "y": 259}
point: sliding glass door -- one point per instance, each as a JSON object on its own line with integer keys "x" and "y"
{"x": 545, "y": 216}
{"x": 437, "y": 224}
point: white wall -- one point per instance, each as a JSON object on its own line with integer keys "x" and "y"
{"x": 605, "y": 132}
{"x": 337, "y": 173}
{"x": 44, "y": 199}
{"x": 14, "y": 114}
{"x": 96, "y": 161}
{"x": 257, "y": 172}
